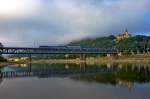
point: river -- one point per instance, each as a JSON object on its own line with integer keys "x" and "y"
{"x": 74, "y": 81}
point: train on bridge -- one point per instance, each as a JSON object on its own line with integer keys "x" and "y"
{"x": 67, "y": 50}
{"x": 56, "y": 50}
{"x": 76, "y": 48}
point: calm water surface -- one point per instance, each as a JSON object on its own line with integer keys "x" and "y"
{"x": 105, "y": 81}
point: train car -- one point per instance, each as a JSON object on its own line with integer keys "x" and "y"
{"x": 57, "y": 47}
{"x": 67, "y": 47}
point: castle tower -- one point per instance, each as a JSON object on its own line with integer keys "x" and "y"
{"x": 125, "y": 35}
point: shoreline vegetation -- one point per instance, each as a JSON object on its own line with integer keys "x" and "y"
{"x": 98, "y": 60}
{"x": 140, "y": 59}
{"x": 128, "y": 42}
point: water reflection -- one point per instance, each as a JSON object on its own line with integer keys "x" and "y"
{"x": 112, "y": 74}
{"x": 72, "y": 81}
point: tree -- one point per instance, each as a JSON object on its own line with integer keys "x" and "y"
{"x": 112, "y": 37}
{"x": 1, "y": 45}
{"x": 2, "y": 59}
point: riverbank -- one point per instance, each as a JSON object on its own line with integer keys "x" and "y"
{"x": 4, "y": 64}
{"x": 99, "y": 60}
{"x": 142, "y": 59}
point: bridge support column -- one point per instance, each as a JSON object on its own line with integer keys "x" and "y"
{"x": 143, "y": 52}
{"x": 30, "y": 67}
{"x": 83, "y": 57}
{"x": 83, "y": 66}
{"x": 1, "y": 75}
{"x": 132, "y": 52}
{"x": 138, "y": 52}
{"x": 30, "y": 58}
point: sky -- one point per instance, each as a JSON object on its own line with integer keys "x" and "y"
{"x": 54, "y": 22}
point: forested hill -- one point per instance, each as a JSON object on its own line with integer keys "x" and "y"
{"x": 138, "y": 41}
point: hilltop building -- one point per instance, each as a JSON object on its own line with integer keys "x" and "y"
{"x": 125, "y": 35}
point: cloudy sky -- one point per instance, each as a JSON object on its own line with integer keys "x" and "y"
{"x": 51, "y": 22}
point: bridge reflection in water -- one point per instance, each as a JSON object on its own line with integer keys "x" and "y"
{"x": 113, "y": 74}
{"x": 27, "y": 70}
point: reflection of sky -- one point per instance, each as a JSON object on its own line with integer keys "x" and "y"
{"x": 51, "y": 22}
{"x": 14, "y": 69}
{"x": 8, "y": 69}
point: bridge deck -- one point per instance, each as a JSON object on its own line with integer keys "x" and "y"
{"x": 28, "y": 50}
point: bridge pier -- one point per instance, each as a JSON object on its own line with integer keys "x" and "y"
{"x": 143, "y": 52}
{"x": 30, "y": 58}
{"x": 83, "y": 66}
{"x": 83, "y": 57}
{"x": 132, "y": 52}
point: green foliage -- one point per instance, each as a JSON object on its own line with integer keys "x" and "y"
{"x": 2, "y": 59}
{"x": 103, "y": 42}
{"x": 127, "y": 43}
{"x": 112, "y": 77}
{"x": 109, "y": 42}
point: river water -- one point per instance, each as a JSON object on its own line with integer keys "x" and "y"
{"x": 72, "y": 81}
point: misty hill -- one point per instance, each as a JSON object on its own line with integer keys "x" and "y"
{"x": 138, "y": 41}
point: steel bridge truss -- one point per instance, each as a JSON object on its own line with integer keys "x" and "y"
{"x": 21, "y": 50}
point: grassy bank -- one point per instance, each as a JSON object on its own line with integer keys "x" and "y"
{"x": 97, "y": 60}
{"x": 4, "y": 64}
{"x": 121, "y": 59}
{"x": 11, "y": 63}
{"x": 90, "y": 60}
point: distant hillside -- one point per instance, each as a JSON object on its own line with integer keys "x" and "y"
{"x": 138, "y": 41}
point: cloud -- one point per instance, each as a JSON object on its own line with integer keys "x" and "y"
{"x": 15, "y": 8}
{"x": 61, "y": 21}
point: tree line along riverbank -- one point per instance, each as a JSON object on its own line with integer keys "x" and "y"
{"x": 91, "y": 60}
{"x": 141, "y": 59}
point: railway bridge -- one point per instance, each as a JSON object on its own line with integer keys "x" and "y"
{"x": 82, "y": 51}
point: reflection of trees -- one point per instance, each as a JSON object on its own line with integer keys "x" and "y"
{"x": 114, "y": 74}
{"x": 119, "y": 75}
{"x": 116, "y": 78}
{"x": 1, "y": 79}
